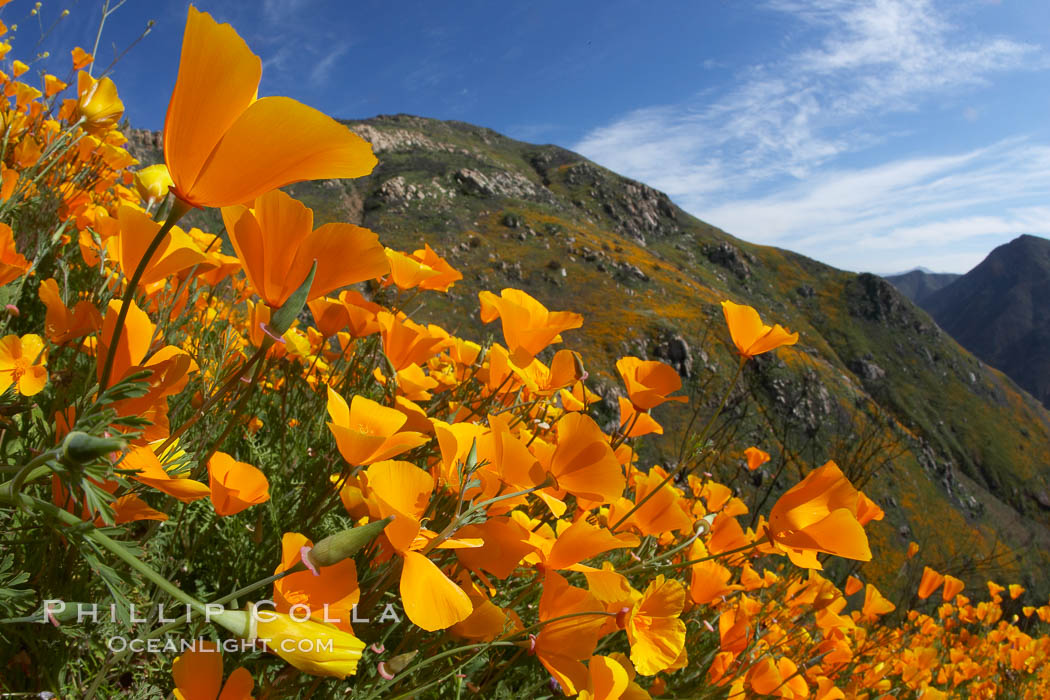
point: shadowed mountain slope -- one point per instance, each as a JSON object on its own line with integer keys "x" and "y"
{"x": 1000, "y": 311}
{"x": 918, "y": 284}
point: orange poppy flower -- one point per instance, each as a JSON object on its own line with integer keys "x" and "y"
{"x": 352, "y": 311}
{"x": 875, "y": 604}
{"x": 635, "y": 423}
{"x": 580, "y": 541}
{"x": 780, "y": 678}
{"x": 406, "y": 342}
{"x": 22, "y": 363}
{"x": 366, "y": 432}
{"x": 931, "y": 581}
{"x": 654, "y": 629}
{"x": 219, "y": 139}
{"x": 562, "y": 644}
{"x": 661, "y": 511}
{"x": 146, "y": 468}
{"x": 952, "y": 587}
{"x": 152, "y": 183}
{"x": 649, "y": 382}
{"x": 583, "y": 463}
{"x": 12, "y": 263}
{"x": 424, "y": 269}
{"x": 606, "y": 680}
{"x": 198, "y": 676}
{"x": 819, "y": 514}
{"x": 331, "y": 592}
{"x": 61, "y": 324}
{"x": 177, "y": 250}
{"x": 750, "y": 335}
{"x": 755, "y": 458}
{"x": 235, "y": 485}
{"x": 432, "y": 600}
{"x": 129, "y": 508}
{"x": 277, "y": 245}
{"x": 528, "y": 327}
{"x": 81, "y": 58}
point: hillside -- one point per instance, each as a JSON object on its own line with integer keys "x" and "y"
{"x": 946, "y": 445}
{"x": 919, "y": 284}
{"x": 1000, "y": 311}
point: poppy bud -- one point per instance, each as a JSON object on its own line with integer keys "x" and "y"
{"x": 81, "y": 448}
{"x": 283, "y": 317}
{"x": 343, "y": 545}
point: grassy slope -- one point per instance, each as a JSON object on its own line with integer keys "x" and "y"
{"x": 962, "y": 453}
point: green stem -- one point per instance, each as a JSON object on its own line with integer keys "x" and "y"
{"x": 105, "y": 541}
{"x": 178, "y": 209}
{"x": 33, "y": 469}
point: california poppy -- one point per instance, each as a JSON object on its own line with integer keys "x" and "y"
{"x": 750, "y": 335}
{"x": 219, "y": 139}
{"x": 432, "y": 600}
{"x": 98, "y": 105}
{"x": 22, "y": 363}
{"x": 931, "y": 581}
{"x": 649, "y": 382}
{"x": 367, "y": 432}
{"x": 277, "y": 245}
{"x": 819, "y": 514}
{"x": 654, "y": 627}
{"x": 528, "y": 327}
{"x": 235, "y": 485}
{"x": 198, "y": 676}
{"x": 12, "y": 263}
{"x": 331, "y": 592}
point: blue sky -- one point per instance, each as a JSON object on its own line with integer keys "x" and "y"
{"x": 872, "y": 135}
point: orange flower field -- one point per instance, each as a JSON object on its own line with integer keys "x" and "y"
{"x": 236, "y": 467}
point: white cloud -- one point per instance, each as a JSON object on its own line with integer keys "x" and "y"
{"x": 764, "y": 158}
{"x": 276, "y": 11}
{"x": 321, "y": 70}
{"x": 867, "y": 218}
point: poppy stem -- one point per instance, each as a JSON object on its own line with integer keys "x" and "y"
{"x": 117, "y": 548}
{"x": 178, "y": 209}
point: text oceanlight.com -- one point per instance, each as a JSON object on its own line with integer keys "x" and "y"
{"x": 172, "y": 645}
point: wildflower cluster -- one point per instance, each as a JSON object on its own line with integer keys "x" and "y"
{"x": 185, "y": 412}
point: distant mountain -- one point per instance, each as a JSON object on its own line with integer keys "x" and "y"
{"x": 920, "y": 283}
{"x": 1000, "y": 311}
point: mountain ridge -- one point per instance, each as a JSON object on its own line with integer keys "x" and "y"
{"x": 1000, "y": 311}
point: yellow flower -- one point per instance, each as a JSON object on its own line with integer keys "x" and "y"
{"x": 99, "y": 104}
{"x": 152, "y": 183}
{"x": 22, "y": 363}
{"x": 313, "y": 647}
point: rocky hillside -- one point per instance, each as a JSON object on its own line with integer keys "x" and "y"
{"x": 954, "y": 452}
{"x": 919, "y": 284}
{"x": 1000, "y": 311}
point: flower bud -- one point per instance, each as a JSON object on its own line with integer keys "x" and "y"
{"x": 81, "y": 448}
{"x": 343, "y": 545}
{"x": 152, "y": 182}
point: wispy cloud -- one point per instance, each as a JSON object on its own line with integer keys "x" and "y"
{"x": 764, "y": 159}
{"x": 275, "y": 11}
{"x": 322, "y": 70}
{"x": 917, "y": 211}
